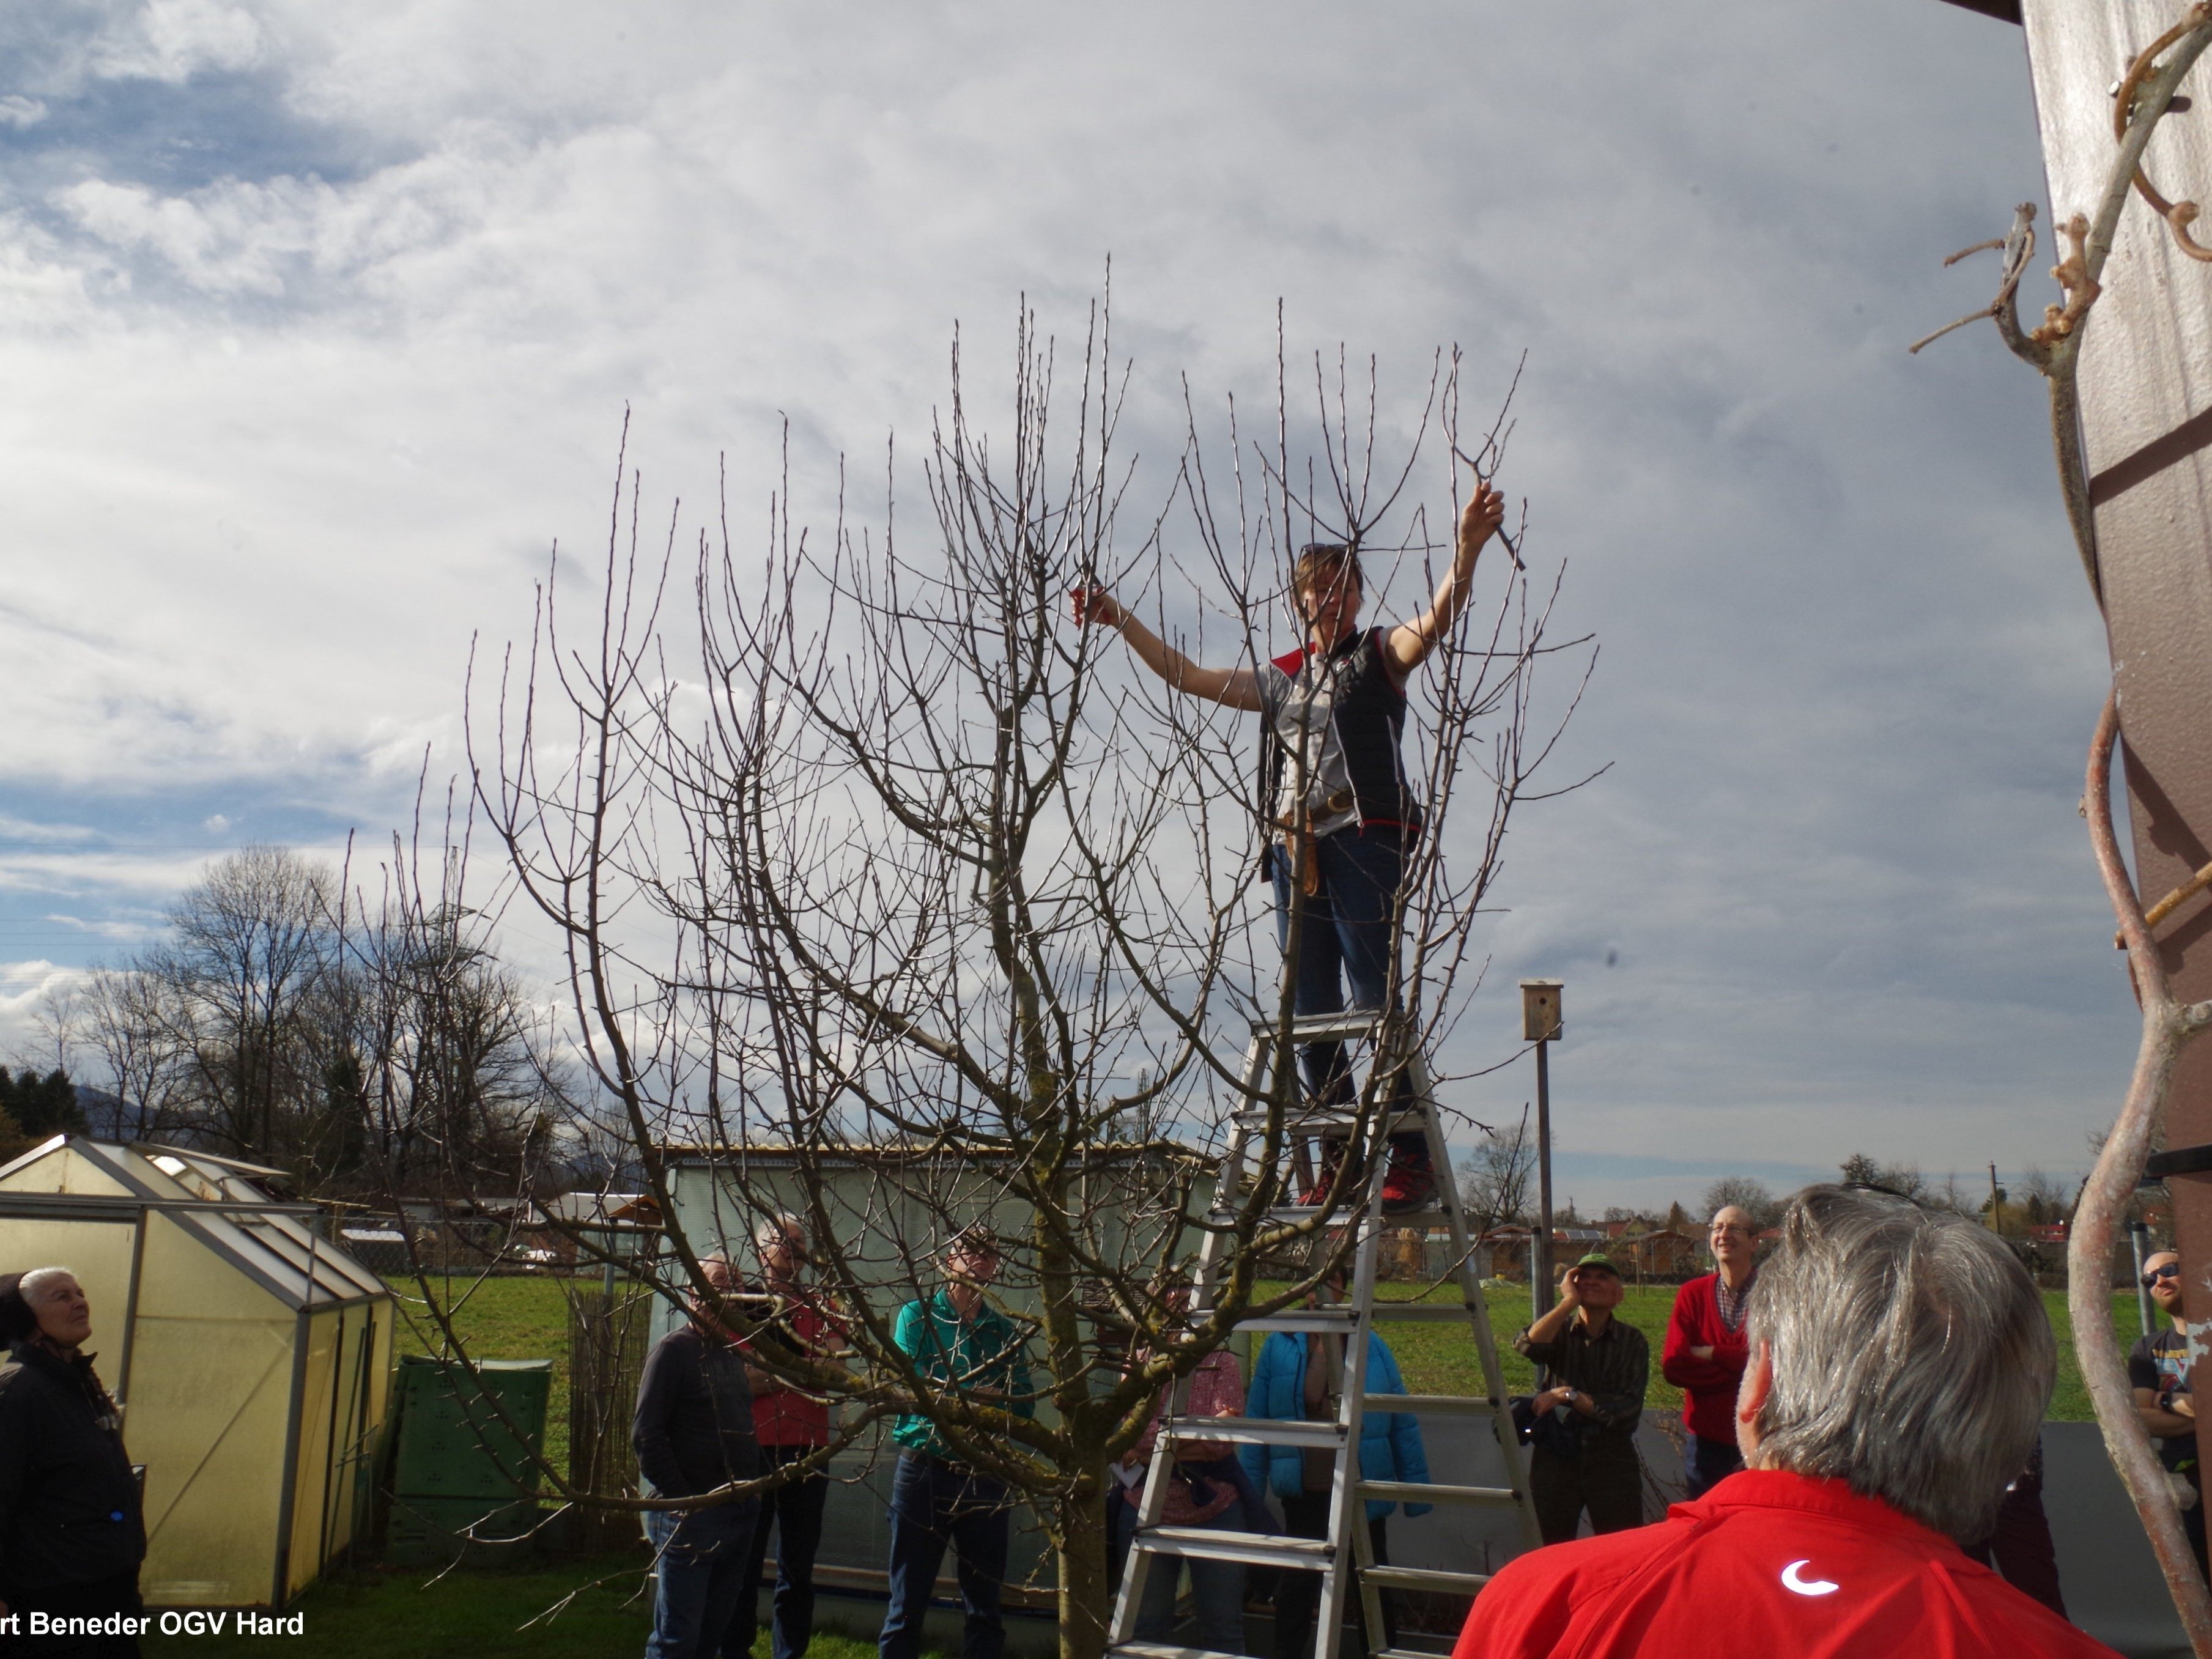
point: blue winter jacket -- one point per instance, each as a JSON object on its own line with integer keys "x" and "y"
{"x": 1390, "y": 1442}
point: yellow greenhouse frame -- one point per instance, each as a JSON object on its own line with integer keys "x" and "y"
{"x": 251, "y": 1356}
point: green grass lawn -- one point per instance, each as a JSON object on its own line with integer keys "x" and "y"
{"x": 528, "y": 1319}
{"x": 523, "y": 1318}
{"x": 1439, "y": 1359}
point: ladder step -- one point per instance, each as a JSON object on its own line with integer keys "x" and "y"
{"x": 1440, "y": 1405}
{"x": 1429, "y": 1579}
{"x": 1422, "y": 1491}
{"x": 1256, "y": 1549}
{"x": 1345, "y": 1215}
{"x": 1432, "y": 1313}
{"x": 1408, "y": 1653}
{"x": 1309, "y": 1120}
{"x": 1257, "y": 1431}
{"x": 1284, "y": 1215}
{"x": 1163, "y": 1650}
{"x": 1320, "y": 1027}
{"x": 1328, "y": 1322}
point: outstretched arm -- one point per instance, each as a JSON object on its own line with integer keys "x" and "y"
{"x": 1232, "y": 687}
{"x": 1409, "y": 643}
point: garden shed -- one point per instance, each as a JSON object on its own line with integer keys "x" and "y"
{"x": 253, "y": 1358}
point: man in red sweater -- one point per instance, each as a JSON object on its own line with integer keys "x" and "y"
{"x": 1705, "y": 1352}
{"x": 1900, "y": 1364}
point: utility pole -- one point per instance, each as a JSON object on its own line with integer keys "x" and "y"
{"x": 1996, "y": 1201}
{"x": 1540, "y": 1025}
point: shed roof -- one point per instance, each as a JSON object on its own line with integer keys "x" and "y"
{"x": 213, "y": 1199}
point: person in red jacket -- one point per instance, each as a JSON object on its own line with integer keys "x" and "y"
{"x": 1901, "y": 1362}
{"x": 790, "y": 1425}
{"x": 1704, "y": 1353}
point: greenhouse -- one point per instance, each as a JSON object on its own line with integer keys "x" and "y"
{"x": 251, "y": 1356}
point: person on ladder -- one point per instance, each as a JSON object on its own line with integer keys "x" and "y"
{"x": 1344, "y": 813}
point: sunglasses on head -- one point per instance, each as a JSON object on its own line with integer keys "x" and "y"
{"x": 2171, "y": 1270}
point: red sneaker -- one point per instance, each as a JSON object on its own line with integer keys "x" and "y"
{"x": 1410, "y": 1183}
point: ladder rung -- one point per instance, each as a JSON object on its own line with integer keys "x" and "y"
{"x": 1344, "y": 1215}
{"x": 1307, "y": 1119}
{"x": 1441, "y": 1405}
{"x": 1284, "y": 1215}
{"x": 1320, "y": 1027}
{"x": 1457, "y": 1584}
{"x": 1259, "y": 1430}
{"x": 1408, "y": 1653}
{"x": 1327, "y": 1321}
{"x": 1162, "y": 1650}
{"x": 1425, "y": 1312}
{"x": 1253, "y": 1548}
{"x": 1422, "y": 1491}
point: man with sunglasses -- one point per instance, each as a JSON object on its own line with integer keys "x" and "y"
{"x": 2158, "y": 1371}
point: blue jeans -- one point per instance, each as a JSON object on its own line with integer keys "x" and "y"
{"x": 794, "y": 1511}
{"x": 701, "y": 1563}
{"x": 934, "y": 1503}
{"x": 1217, "y": 1594}
{"x": 1706, "y": 1463}
{"x": 1347, "y": 936}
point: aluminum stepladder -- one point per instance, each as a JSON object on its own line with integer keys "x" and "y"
{"x": 1344, "y": 1558}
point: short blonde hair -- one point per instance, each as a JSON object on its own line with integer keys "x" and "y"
{"x": 1324, "y": 563}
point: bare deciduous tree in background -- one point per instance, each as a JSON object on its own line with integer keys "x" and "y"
{"x": 1496, "y": 1179}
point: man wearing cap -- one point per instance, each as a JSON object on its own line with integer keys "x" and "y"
{"x": 1599, "y": 1365}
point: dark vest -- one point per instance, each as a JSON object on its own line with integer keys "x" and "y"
{"x": 1367, "y": 715}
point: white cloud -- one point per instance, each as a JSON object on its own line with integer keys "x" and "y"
{"x": 173, "y": 40}
{"x": 284, "y": 438}
{"x": 19, "y": 111}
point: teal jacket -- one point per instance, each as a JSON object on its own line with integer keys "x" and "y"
{"x": 1390, "y": 1442}
{"x": 959, "y": 1354}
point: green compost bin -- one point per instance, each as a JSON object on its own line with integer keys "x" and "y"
{"x": 458, "y": 1466}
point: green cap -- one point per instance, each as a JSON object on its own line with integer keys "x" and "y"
{"x": 1596, "y": 1258}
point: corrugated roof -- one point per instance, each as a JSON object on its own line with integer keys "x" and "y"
{"x": 276, "y": 1250}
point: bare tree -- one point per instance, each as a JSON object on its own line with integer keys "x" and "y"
{"x": 1745, "y": 1193}
{"x": 2142, "y": 97}
{"x": 1495, "y": 1179}
{"x": 914, "y": 893}
{"x": 383, "y": 1049}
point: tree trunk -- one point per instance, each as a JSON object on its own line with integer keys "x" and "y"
{"x": 1084, "y": 1606}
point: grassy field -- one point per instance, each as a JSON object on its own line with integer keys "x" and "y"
{"x": 1438, "y": 1359}
{"x": 504, "y": 1319}
{"x": 528, "y": 1319}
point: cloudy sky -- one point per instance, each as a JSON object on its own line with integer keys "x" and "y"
{"x": 318, "y": 325}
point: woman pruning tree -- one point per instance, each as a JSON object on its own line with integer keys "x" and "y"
{"x": 1342, "y": 813}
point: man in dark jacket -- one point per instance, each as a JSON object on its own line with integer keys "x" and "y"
{"x": 694, "y": 1433}
{"x": 71, "y": 1535}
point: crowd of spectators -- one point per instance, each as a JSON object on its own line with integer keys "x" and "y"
{"x": 1861, "y": 1412}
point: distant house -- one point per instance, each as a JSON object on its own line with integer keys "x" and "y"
{"x": 1668, "y": 1253}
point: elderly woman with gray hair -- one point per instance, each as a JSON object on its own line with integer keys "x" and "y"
{"x": 71, "y": 1535}
{"x": 1900, "y": 1363}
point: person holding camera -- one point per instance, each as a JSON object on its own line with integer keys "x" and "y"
{"x": 2157, "y": 1374}
{"x": 1599, "y": 1366}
